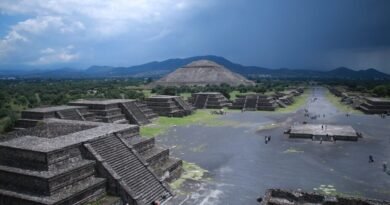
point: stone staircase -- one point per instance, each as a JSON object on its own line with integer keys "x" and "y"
{"x": 200, "y": 101}
{"x": 167, "y": 168}
{"x": 165, "y": 106}
{"x": 188, "y": 109}
{"x": 251, "y": 103}
{"x": 132, "y": 179}
{"x": 70, "y": 114}
{"x": 133, "y": 113}
{"x": 147, "y": 111}
{"x": 281, "y": 104}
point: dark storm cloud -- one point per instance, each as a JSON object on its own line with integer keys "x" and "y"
{"x": 319, "y": 34}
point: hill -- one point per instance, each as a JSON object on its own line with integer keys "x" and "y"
{"x": 203, "y": 72}
{"x": 158, "y": 69}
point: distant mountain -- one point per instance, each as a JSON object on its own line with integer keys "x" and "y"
{"x": 158, "y": 69}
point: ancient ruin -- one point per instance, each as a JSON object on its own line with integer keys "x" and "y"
{"x": 203, "y": 72}
{"x": 171, "y": 106}
{"x": 96, "y": 110}
{"x": 253, "y": 102}
{"x": 323, "y": 132}
{"x": 285, "y": 197}
{"x": 375, "y": 106}
{"x": 211, "y": 100}
{"x": 72, "y": 162}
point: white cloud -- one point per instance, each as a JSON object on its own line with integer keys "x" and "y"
{"x": 56, "y": 23}
{"x": 34, "y": 27}
{"x": 108, "y": 17}
{"x": 50, "y": 55}
{"x": 47, "y": 51}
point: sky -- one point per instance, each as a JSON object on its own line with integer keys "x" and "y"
{"x": 297, "y": 34}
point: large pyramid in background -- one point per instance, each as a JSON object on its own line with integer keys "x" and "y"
{"x": 203, "y": 72}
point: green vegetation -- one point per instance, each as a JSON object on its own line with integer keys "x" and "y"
{"x": 336, "y": 101}
{"x": 17, "y": 95}
{"x": 292, "y": 150}
{"x": 162, "y": 124}
{"x": 191, "y": 172}
{"x": 299, "y": 101}
{"x": 185, "y": 95}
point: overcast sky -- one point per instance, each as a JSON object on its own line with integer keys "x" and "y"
{"x": 309, "y": 34}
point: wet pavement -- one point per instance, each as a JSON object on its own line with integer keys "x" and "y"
{"x": 241, "y": 166}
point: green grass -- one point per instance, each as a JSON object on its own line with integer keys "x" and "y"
{"x": 2, "y": 123}
{"x": 147, "y": 93}
{"x": 185, "y": 95}
{"x": 299, "y": 101}
{"x": 191, "y": 172}
{"x": 162, "y": 124}
{"x": 336, "y": 101}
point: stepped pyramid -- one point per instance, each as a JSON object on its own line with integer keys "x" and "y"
{"x": 63, "y": 162}
{"x": 203, "y": 72}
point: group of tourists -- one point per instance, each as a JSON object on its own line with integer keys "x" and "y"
{"x": 371, "y": 160}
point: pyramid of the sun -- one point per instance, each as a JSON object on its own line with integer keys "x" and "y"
{"x": 203, "y": 72}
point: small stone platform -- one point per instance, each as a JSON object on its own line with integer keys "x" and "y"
{"x": 376, "y": 106}
{"x": 324, "y": 132}
{"x": 286, "y": 197}
{"x": 170, "y": 106}
{"x": 211, "y": 100}
{"x": 253, "y": 102}
{"x": 116, "y": 110}
{"x": 119, "y": 111}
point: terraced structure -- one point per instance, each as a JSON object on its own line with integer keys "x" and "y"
{"x": 96, "y": 110}
{"x": 74, "y": 162}
{"x": 170, "y": 106}
{"x": 210, "y": 100}
{"x": 252, "y": 102}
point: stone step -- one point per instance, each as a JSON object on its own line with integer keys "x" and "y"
{"x": 134, "y": 113}
{"x": 26, "y": 123}
{"x": 50, "y": 182}
{"x": 124, "y": 163}
{"x": 155, "y": 155}
{"x": 81, "y": 193}
{"x": 169, "y": 169}
{"x": 111, "y": 118}
{"x": 107, "y": 112}
{"x": 122, "y": 121}
{"x": 141, "y": 144}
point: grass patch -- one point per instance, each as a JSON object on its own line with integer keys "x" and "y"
{"x": 162, "y": 124}
{"x": 3, "y": 121}
{"x": 332, "y": 191}
{"x": 292, "y": 150}
{"x": 199, "y": 148}
{"x": 299, "y": 101}
{"x": 147, "y": 93}
{"x": 267, "y": 127}
{"x": 336, "y": 101}
{"x": 185, "y": 95}
{"x": 191, "y": 171}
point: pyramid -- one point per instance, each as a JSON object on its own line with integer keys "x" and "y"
{"x": 203, "y": 72}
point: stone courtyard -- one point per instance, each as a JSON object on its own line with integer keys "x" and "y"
{"x": 72, "y": 157}
{"x": 240, "y": 167}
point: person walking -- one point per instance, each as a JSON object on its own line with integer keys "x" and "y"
{"x": 384, "y": 166}
{"x": 370, "y": 159}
